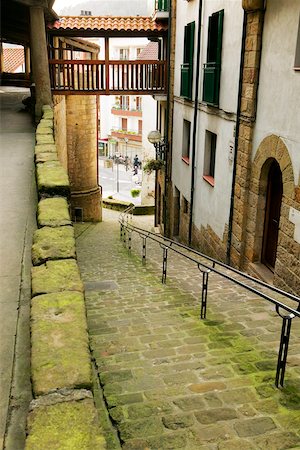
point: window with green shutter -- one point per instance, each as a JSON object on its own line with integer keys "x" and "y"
{"x": 212, "y": 68}
{"x": 186, "y": 86}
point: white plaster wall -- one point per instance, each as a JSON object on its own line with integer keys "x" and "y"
{"x": 211, "y": 204}
{"x": 279, "y": 84}
{"x": 231, "y": 46}
{"x": 105, "y": 117}
{"x": 149, "y": 124}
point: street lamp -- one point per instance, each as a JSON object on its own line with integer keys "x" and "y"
{"x": 117, "y": 159}
{"x": 155, "y": 138}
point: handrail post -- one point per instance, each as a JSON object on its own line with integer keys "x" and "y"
{"x": 164, "y": 268}
{"x": 205, "y": 273}
{"x": 129, "y": 240}
{"x": 144, "y": 250}
{"x": 283, "y": 347}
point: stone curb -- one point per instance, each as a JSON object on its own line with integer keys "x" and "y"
{"x": 120, "y": 205}
{"x": 62, "y": 414}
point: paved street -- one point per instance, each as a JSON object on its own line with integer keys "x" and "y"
{"x": 171, "y": 381}
{"x": 16, "y": 224}
{"x": 118, "y": 178}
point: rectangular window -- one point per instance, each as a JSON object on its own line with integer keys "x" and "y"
{"x": 124, "y": 124}
{"x": 186, "y": 85}
{"x": 124, "y": 102}
{"x": 186, "y": 139}
{"x": 139, "y": 103}
{"x": 210, "y": 157}
{"x": 124, "y": 54}
{"x": 212, "y": 68}
{"x": 140, "y": 126}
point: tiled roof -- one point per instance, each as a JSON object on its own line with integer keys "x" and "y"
{"x": 150, "y": 52}
{"x": 107, "y": 23}
{"x": 13, "y": 58}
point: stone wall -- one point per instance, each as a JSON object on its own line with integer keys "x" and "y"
{"x": 62, "y": 414}
{"x": 60, "y": 128}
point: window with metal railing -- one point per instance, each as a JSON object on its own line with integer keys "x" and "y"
{"x": 162, "y": 5}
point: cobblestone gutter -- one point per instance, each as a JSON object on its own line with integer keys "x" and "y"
{"x": 62, "y": 414}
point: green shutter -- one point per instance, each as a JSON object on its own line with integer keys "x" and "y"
{"x": 188, "y": 58}
{"x": 212, "y": 69}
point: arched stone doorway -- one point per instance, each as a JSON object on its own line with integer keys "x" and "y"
{"x": 274, "y": 190}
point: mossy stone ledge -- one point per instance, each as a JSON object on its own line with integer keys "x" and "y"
{"x": 46, "y": 123}
{"x": 52, "y": 179}
{"x": 52, "y": 244}
{"x": 69, "y": 426}
{"x": 47, "y": 156}
{"x": 56, "y": 276}
{"x": 44, "y": 138}
{"x": 60, "y": 356}
{"x": 53, "y": 212}
{"x": 42, "y": 129}
{"x": 45, "y": 148}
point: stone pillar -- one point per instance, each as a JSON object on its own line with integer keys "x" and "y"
{"x": 27, "y": 61}
{"x": 81, "y": 112}
{"x": 254, "y": 10}
{"x": 39, "y": 59}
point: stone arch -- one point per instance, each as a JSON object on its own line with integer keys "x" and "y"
{"x": 271, "y": 149}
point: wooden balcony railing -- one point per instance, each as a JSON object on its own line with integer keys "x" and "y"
{"x": 114, "y": 77}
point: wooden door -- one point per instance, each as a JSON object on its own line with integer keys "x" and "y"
{"x": 272, "y": 215}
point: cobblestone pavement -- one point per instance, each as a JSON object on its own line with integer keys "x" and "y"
{"x": 170, "y": 380}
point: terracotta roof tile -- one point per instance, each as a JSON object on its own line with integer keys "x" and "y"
{"x": 150, "y": 52}
{"x": 107, "y": 23}
{"x": 13, "y": 58}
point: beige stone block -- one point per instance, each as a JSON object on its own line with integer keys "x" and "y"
{"x": 53, "y": 212}
{"x": 64, "y": 424}
{"x": 253, "y": 5}
{"x": 52, "y": 243}
{"x": 60, "y": 356}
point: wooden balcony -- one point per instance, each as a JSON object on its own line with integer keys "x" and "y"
{"x": 108, "y": 78}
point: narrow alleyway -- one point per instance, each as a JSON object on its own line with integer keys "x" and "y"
{"x": 170, "y": 380}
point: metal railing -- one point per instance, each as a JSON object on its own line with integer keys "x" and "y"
{"x": 206, "y": 265}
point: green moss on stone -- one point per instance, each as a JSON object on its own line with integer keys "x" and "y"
{"x": 45, "y": 148}
{"x": 67, "y": 426}
{"x": 44, "y": 157}
{"x": 46, "y": 123}
{"x": 42, "y": 129}
{"x": 52, "y": 179}
{"x": 44, "y": 139}
{"x": 60, "y": 356}
{"x": 53, "y": 243}
{"x": 53, "y": 212}
{"x": 56, "y": 276}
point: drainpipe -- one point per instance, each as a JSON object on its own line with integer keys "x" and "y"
{"x": 236, "y": 139}
{"x": 166, "y": 132}
{"x": 195, "y": 123}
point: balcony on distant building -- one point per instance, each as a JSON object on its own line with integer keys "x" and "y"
{"x": 128, "y": 112}
{"x": 161, "y": 10}
{"x": 129, "y": 134}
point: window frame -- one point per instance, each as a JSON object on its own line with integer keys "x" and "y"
{"x": 210, "y": 152}
{"x": 186, "y": 143}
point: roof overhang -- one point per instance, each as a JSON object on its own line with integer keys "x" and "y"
{"x": 107, "y": 26}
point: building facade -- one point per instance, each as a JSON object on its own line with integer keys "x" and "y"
{"x": 235, "y": 140}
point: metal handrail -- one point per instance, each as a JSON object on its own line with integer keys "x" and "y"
{"x": 210, "y": 266}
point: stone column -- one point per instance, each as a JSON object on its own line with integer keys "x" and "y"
{"x": 81, "y": 113}
{"x": 254, "y": 10}
{"x": 39, "y": 59}
{"x": 27, "y": 62}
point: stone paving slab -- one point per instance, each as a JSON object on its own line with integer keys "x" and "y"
{"x": 60, "y": 356}
{"x": 171, "y": 380}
